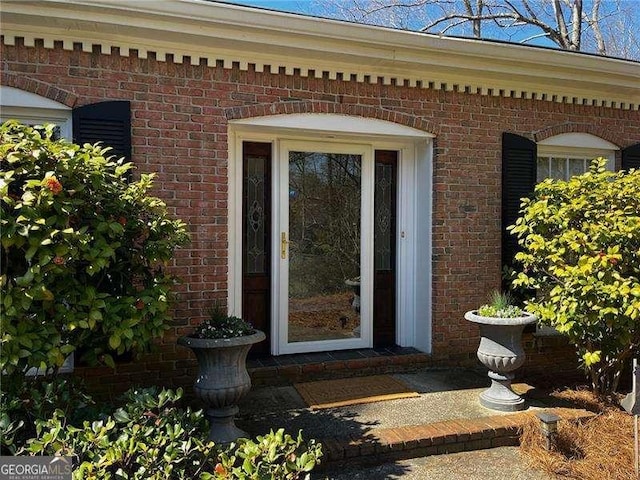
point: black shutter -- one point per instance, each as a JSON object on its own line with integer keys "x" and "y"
{"x": 105, "y": 122}
{"x": 518, "y": 181}
{"x": 631, "y": 157}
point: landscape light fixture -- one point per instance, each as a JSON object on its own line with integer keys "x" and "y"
{"x": 549, "y": 427}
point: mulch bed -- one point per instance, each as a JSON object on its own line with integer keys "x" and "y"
{"x": 600, "y": 448}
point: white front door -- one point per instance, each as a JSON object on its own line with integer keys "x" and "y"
{"x": 323, "y": 250}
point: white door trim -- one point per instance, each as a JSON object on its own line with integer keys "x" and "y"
{"x": 414, "y": 279}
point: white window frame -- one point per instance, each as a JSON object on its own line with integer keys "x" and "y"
{"x": 577, "y": 145}
{"x": 574, "y": 145}
{"x": 32, "y": 109}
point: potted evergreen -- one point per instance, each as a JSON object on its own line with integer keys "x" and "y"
{"x": 501, "y": 326}
{"x": 221, "y": 344}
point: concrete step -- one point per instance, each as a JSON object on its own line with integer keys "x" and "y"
{"x": 446, "y": 417}
{"x": 451, "y": 436}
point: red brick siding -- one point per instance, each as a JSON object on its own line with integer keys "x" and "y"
{"x": 179, "y": 122}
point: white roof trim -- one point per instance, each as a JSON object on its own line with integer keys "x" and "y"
{"x": 332, "y": 123}
{"x": 579, "y": 140}
{"x": 201, "y": 31}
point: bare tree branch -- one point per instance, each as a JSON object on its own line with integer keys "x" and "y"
{"x": 465, "y": 17}
{"x": 562, "y": 26}
{"x": 476, "y": 22}
{"x": 533, "y": 37}
{"x": 610, "y": 26}
{"x": 528, "y": 8}
{"x": 453, "y": 25}
{"x": 594, "y": 23}
{"x": 380, "y": 8}
{"x": 576, "y": 24}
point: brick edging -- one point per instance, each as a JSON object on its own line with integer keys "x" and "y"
{"x": 450, "y": 436}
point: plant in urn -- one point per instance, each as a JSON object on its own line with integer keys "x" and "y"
{"x": 221, "y": 344}
{"x": 501, "y": 326}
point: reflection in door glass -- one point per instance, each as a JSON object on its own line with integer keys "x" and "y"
{"x": 324, "y": 253}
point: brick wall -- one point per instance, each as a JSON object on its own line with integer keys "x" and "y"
{"x": 179, "y": 123}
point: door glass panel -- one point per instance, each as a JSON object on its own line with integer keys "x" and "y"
{"x": 254, "y": 201}
{"x": 383, "y": 216}
{"x": 324, "y": 248}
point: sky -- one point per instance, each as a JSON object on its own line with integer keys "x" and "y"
{"x": 622, "y": 16}
{"x": 300, "y": 6}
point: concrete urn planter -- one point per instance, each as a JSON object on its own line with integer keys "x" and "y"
{"x": 501, "y": 352}
{"x": 222, "y": 380}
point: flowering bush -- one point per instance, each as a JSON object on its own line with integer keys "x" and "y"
{"x": 149, "y": 437}
{"x": 83, "y": 253}
{"x": 221, "y": 325}
{"x": 276, "y": 455}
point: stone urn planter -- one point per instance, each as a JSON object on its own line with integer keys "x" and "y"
{"x": 222, "y": 380}
{"x": 501, "y": 352}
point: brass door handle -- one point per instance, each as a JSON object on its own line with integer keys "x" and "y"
{"x": 283, "y": 245}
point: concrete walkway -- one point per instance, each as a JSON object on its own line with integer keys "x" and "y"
{"x": 446, "y": 418}
{"x": 500, "y": 463}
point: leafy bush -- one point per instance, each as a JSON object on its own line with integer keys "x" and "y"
{"x": 150, "y": 437}
{"x": 273, "y": 456}
{"x": 147, "y": 438}
{"x": 581, "y": 251}
{"x": 83, "y": 252}
{"x": 26, "y": 400}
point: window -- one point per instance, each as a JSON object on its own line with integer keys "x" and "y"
{"x": 525, "y": 163}
{"x": 561, "y": 168}
{"x": 32, "y": 109}
{"x": 563, "y": 156}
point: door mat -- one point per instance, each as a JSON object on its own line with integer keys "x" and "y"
{"x": 352, "y": 391}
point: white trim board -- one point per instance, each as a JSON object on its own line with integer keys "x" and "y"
{"x": 579, "y": 140}
{"x": 330, "y": 124}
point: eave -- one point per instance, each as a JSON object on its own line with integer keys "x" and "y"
{"x": 320, "y": 47}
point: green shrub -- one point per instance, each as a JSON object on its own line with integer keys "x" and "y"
{"x": 26, "y": 400}
{"x": 148, "y": 438}
{"x": 151, "y": 437}
{"x": 83, "y": 251}
{"x": 272, "y": 456}
{"x": 581, "y": 251}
